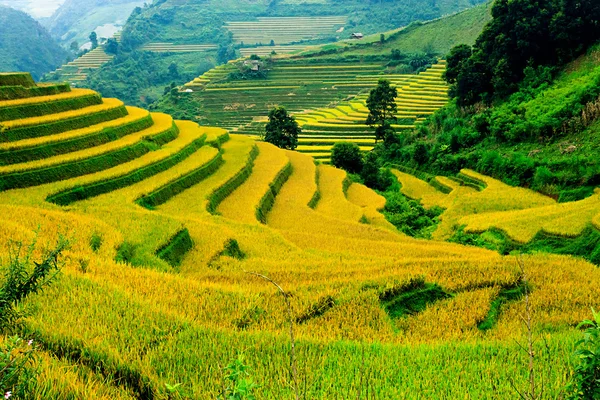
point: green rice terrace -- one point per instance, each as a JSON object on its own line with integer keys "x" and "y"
{"x": 285, "y": 30}
{"x": 327, "y": 99}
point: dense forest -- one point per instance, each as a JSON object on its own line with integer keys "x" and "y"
{"x": 26, "y": 46}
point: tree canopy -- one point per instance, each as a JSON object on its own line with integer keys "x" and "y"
{"x": 282, "y": 130}
{"x": 522, "y": 33}
{"x": 382, "y": 108}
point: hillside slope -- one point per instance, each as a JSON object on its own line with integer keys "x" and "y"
{"x": 171, "y": 226}
{"x": 179, "y": 31}
{"x": 74, "y": 20}
{"x": 26, "y": 45}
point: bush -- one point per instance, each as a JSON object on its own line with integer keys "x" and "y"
{"x": 347, "y": 156}
{"x": 585, "y": 383}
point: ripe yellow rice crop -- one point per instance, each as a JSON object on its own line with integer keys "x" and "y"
{"x": 497, "y": 196}
{"x": 418, "y": 189}
{"x": 292, "y": 215}
{"x": 43, "y": 99}
{"x": 562, "y": 219}
{"x": 134, "y": 114}
{"x": 195, "y": 161}
{"x": 333, "y": 200}
{"x": 162, "y": 122}
{"x": 108, "y": 104}
{"x": 371, "y": 203}
{"x": 242, "y": 203}
{"x": 193, "y": 202}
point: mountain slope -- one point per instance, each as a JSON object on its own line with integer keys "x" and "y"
{"x": 76, "y": 19}
{"x": 26, "y": 45}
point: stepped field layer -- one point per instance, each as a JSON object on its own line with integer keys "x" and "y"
{"x": 169, "y": 221}
{"x": 328, "y": 99}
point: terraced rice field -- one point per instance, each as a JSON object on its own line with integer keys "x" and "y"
{"x": 166, "y": 220}
{"x": 178, "y": 48}
{"x": 268, "y": 50}
{"x": 76, "y": 71}
{"x": 284, "y": 30}
{"x": 328, "y": 100}
{"x": 418, "y": 97}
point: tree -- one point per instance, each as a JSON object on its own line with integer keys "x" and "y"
{"x": 347, "y": 156}
{"x": 74, "y": 46}
{"x": 382, "y": 38}
{"x": 382, "y": 109}
{"x": 94, "y": 40}
{"x": 455, "y": 60}
{"x": 173, "y": 70}
{"x": 282, "y": 130}
{"x": 112, "y": 46}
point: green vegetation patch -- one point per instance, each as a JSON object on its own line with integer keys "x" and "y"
{"x": 507, "y": 294}
{"x": 16, "y": 79}
{"x": 221, "y": 193}
{"x": 316, "y": 310}
{"x": 268, "y": 200}
{"x": 586, "y": 245}
{"x": 176, "y": 248}
{"x": 20, "y": 92}
{"x": 231, "y": 248}
{"x": 410, "y": 298}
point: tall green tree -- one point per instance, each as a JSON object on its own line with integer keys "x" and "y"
{"x": 94, "y": 40}
{"x": 282, "y": 130}
{"x": 382, "y": 109}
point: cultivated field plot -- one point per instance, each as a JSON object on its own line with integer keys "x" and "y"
{"x": 328, "y": 100}
{"x": 168, "y": 220}
{"x": 178, "y": 48}
{"x": 285, "y": 30}
{"x": 76, "y": 71}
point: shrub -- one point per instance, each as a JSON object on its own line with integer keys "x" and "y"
{"x": 347, "y": 156}
{"x": 585, "y": 383}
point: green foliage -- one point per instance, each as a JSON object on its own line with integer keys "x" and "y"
{"x": 16, "y": 372}
{"x": 21, "y": 92}
{"x": 112, "y": 46}
{"x": 507, "y": 294}
{"x": 238, "y": 384}
{"x": 94, "y": 40}
{"x": 409, "y": 216}
{"x": 382, "y": 108}
{"x": 413, "y": 299}
{"x": 585, "y": 383}
{"x": 176, "y": 248}
{"x": 221, "y": 193}
{"x": 347, "y": 156}
{"x": 96, "y": 241}
{"x": 23, "y": 79}
{"x": 282, "y": 130}
{"x": 374, "y": 176}
{"x": 126, "y": 252}
{"x": 532, "y": 34}
{"x": 268, "y": 200}
{"x": 26, "y": 45}
{"x": 24, "y": 277}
